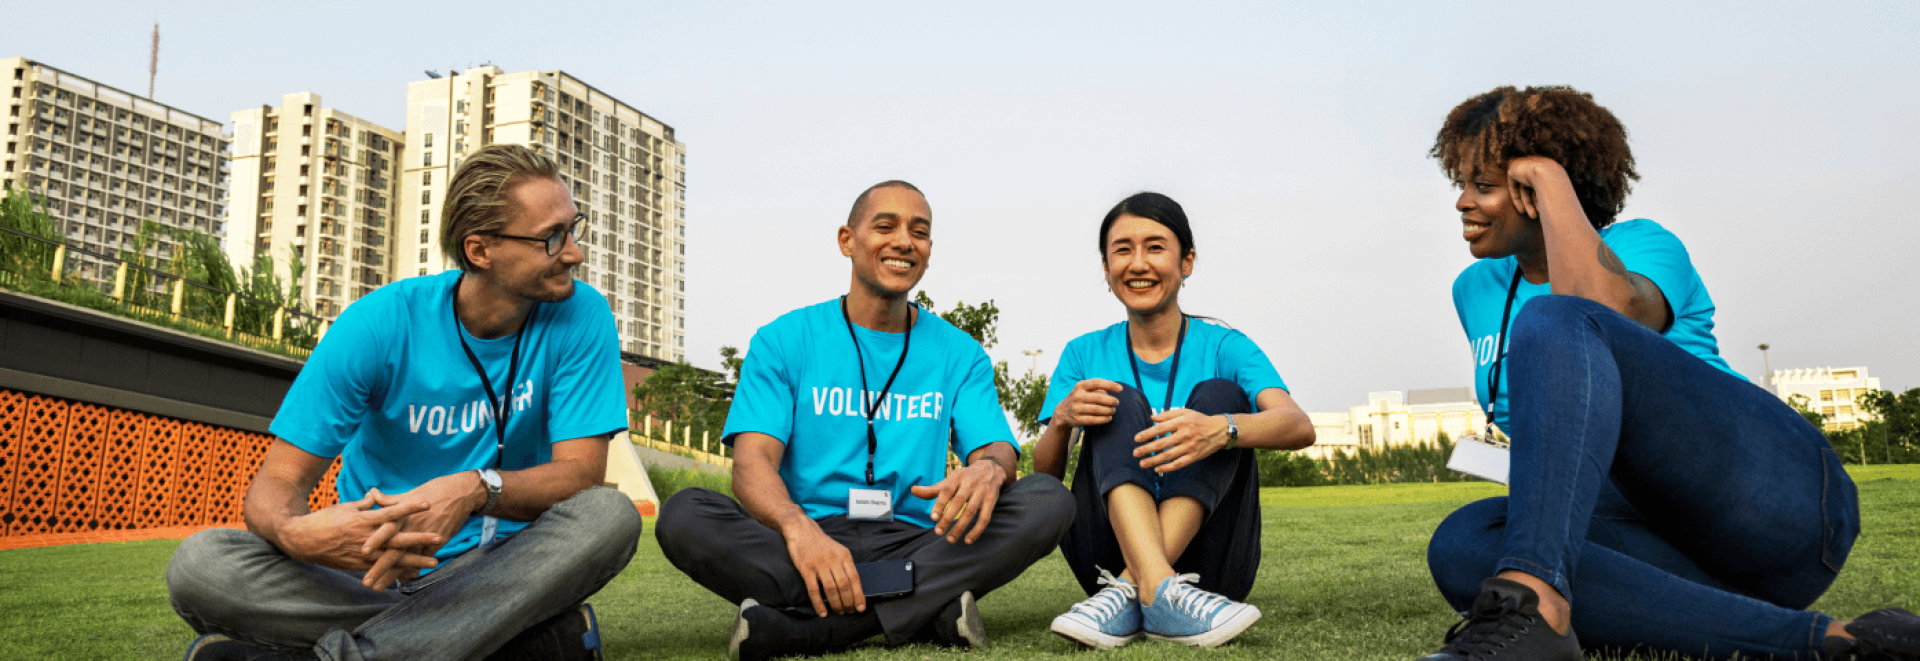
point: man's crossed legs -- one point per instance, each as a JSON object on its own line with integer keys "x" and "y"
{"x": 711, "y": 538}
{"x": 233, "y": 582}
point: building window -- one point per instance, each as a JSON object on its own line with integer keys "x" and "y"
{"x": 426, "y": 141}
{"x": 426, "y": 159}
{"x": 423, "y": 256}
{"x": 426, "y": 197}
{"x": 426, "y": 178}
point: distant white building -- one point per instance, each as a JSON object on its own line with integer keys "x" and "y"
{"x": 1830, "y": 391}
{"x": 1395, "y": 418}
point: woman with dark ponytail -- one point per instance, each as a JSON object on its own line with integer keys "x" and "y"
{"x": 1167, "y": 406}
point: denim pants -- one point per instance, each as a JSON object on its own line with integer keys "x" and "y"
{"x": 712, "y": 538}
{"x": 235, "y": 583}
{"x": 1226, "y": 550}
{"x": 1677, "y": 507}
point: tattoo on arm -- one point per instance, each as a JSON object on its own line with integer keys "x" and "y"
{"x": 1610, "y": 261}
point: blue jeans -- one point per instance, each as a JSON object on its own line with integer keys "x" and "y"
{"x": 235, "y": 583}
{"x": 1110, "y": 447}
{"x": 1676, "y": 506}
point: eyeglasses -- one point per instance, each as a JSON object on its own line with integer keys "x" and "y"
{"x": 557, "y": 239}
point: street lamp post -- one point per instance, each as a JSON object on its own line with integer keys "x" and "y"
{"x": 1035, "y": 355}
{"x": 1769, "y": 367}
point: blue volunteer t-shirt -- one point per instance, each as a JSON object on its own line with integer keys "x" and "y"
{"x": 1209, "y": 352}
{"x": 1480, "y": 295}
{"x": 390, "y": 391}
{"x": 801, "y": 385}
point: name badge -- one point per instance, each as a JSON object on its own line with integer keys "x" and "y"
{"x": 870, "y": 504}
{"x": 1482, "y": 456}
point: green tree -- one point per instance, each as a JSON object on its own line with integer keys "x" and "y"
{"x": 1900, "y": 413}
{"x": 1020, "y": 396}
{"x": 687, "y": 395}
{"x": 1892, "y": 437}
{"x": 732, "y": 360}
{"x": 1805, "y": 407}
{"x": 19, "y": 254}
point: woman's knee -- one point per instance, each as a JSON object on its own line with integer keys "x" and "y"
{"x": 1551, "y": 318}
{"x": 1217, "y": 396}
{"x": 1465, "y": 548}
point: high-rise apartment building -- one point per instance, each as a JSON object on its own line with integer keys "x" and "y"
{"x": 315, "y": 184}
{"x": 104, "y": 160}
{"x": 625, "y": 169}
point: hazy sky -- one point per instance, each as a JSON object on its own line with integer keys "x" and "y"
{"x": 1778, "y": 140}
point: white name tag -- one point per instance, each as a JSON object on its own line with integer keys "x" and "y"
{"x": 870, "y": 504}
{"x": 1475, "y": 456}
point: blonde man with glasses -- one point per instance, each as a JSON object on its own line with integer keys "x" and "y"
{"x": 471, "y": 413}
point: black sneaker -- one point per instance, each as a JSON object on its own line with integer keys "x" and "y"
{"x": 216, "y": 647}
{"x": 760, "y": 632}
{"x": 570, "y": 636}
{"x": 1505, "y": 623}
{"x": 755, "y": 634}
{"x": 959, "y": 625}
{"x": 1888, "y": 634}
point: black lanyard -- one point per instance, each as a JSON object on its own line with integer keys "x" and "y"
{"x": 501, "y": 408}
{"x": 873, "y": 405}
{"x": 1135, "y": 364}
{"x": 1500, "y": 350}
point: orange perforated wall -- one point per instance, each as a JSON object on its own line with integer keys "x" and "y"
{"x": 69, "y": 467}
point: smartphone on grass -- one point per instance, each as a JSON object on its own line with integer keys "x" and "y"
{"x": 886, "y": 578}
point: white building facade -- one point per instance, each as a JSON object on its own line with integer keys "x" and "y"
{"x": 1393, "y": 418}
{"x": 318, "y": 185}
{"x": 1834, "y": 392}
{"x": 625, "y": 170}
{"x": 104, "y": 160}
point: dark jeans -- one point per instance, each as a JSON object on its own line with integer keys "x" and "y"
{"x": 235, "y": 583}
{"x": 1226, "y": 550}
{"x": 1678, "y": 507}
{"x": 711, "y": 538}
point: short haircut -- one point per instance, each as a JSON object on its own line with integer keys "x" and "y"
{"x": 477, "y": 197}
{"x": 1554, "y": 121}
{"x": 860, "y": 203}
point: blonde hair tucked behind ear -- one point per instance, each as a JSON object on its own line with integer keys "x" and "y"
{"x": 477, "y": 196}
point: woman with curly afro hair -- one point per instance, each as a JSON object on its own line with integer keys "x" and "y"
{"x": 1658, "y": 500}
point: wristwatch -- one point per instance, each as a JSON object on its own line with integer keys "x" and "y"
{"x": 1233, "y": 432}
{"x": 492, "y": 481}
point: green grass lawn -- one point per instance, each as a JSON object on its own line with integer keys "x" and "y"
{"x": 1344, "y": 576}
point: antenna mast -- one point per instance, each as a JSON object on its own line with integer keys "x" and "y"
{"x": 153, "y": 61}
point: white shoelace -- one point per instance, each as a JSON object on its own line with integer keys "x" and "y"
{"x": 1110, "y": 601}
{"x": 1192, "y": 601}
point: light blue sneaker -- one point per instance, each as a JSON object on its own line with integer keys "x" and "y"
{"x": 1191, "y": 616}
{"x": 1108, "y": 619}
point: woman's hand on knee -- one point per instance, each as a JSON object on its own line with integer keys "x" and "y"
{"x": 1179, "y": 438}
{"x": 1089, "y": 404}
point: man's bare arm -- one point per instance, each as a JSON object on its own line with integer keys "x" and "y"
{"x": 276, "y": 510}
{"x": 446, "y": 502}
{"x": 824, "y": 564}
